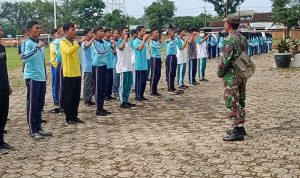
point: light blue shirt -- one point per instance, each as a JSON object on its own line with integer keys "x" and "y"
{"x": 110, "y": 56}
{"x": 171, "y": 47}
{"x": 140, "y": 56}
{"x": 99, "y": 53}
{"x": 57, "y": 50}
{"x": 155, "y": 48}
{"x": 221, "y": 42}
{"x": 86, "y": 59}
{"x": 34, "y": 59}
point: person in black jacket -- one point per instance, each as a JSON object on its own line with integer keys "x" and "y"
{"x": 5, "y": 91}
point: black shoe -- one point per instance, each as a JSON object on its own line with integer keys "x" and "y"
{"x": 131, "y": 105}
{"x": 87, "y": 104}
{"x": 182, "y": 87}
{"x": 6, "y": 146}
{"x": 236, "y": 135}
{"x": 171, "y": 90}
{"x": 186, "y": 87}
{"x": 107, "y": 112}
{"x": 101, "y": 113}
{"x": 62, "y": 111}
{"x": 204, "y": 80}
{"x": 138, "y": 99}
{"x": 43, "y": 121}
{"x": 5, "y": 132}
{"x": 155, "y": 94}
{"x": 38, "y": 136}
{"x": 71, "y": 122}
{"x": 92, "y": 103}
{"x": 78, "y": 121}
{"x": 125, "y": 105}
{"x": 145, "y": 99}
{"x": 55, "y": 111}
{"x": 242, "y": 130}
{"x": 46, "y": 134}
{"x": 107, "y": 98}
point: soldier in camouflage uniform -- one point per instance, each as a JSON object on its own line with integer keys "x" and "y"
{"x": 234, "y": 85}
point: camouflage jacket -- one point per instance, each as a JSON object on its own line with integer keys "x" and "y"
{"x": 234, "y": 45}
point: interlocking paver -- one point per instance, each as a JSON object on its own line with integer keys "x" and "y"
{"x": 166, "y": 138}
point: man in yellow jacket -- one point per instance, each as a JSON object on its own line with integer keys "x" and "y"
{"x": 71, "y": 74}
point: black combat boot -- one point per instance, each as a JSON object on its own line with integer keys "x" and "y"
{"x": 236, "y": 135}
{"x": 229, "y": 131}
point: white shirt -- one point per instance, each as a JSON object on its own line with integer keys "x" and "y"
{"x": 182, "y": 54}
{"x": 202, "y": 49}
{"x": 124, "y": 63}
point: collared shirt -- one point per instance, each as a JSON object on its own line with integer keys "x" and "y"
{"x": 70, "y": 58}
{"x": 155, "y": 48}
{"x": 53, "y": 59}
{"x": 140, "y": 55}
{"x": 99, "y": 53}
{"x": 171, "y": 47}
{"x": 57, "y": 50}
{"x": 110, "y": 56}
{"x": 193, "y": 50}
{"x": 34, "y": 59}
{"x": 182, "y": 54}
{"x": 86, "y": 61}
{"x": 201, "y": 48}
{"x": 4, "y": 84}
{"x": 124, "y": 63}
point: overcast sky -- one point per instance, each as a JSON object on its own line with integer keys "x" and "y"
{"x": 188, "y": 7}
{"x": 194, "y": 7}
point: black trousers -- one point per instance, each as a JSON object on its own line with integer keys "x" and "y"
{"x": 71, "y": 89}
{"x": 101, "y": 86}
{"x": 192, "y": 70}
{"x": 110, "y": 80}
{"x": 4, "y": 105}
{"x": 155, "y": 73}
{"x": 140, "y": 83}
{"x": 171, "y": 66}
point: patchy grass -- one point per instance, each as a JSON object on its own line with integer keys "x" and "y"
{"x": 13, "y": 60}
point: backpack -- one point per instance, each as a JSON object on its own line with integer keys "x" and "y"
{"x": 244, "y": 66}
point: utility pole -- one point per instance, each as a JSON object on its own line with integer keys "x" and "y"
{"x": 54, "y": 4}
{"x": 226, "y": 8}
{"x": 205, "y": 16}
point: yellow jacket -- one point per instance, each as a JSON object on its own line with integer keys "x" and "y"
{"x": 53, "y": 60}
{"x": 70, "y": 58}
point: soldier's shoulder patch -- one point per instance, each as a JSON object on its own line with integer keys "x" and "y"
{"x": 228, "y": 40}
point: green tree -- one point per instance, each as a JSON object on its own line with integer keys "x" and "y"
{"x": 187, "y": 22}
{"x": 86, "y": 13}
{"x": 286, "y": 12}
{"x": 220, "y": 6}
{"x": 160, "y": 13}
{"x": 115, "y": 19}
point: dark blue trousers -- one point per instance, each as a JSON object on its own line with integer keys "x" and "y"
{"x": 110, "y": 80}
{"x": 155, "y": 74}
{"x": 140, "y": 83}
{"x": 56, "y": 83}
{"x": 192, "y": 70}
{"x": 171, "y": 66}
{"x": 36, "y": 92}
{"x": 213, "y": 51}
{"x": 101, "y": 85}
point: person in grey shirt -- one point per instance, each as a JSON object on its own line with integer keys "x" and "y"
{"x": 192, "y": 52}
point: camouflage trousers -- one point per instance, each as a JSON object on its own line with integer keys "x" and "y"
{"x": 235, "y": 96}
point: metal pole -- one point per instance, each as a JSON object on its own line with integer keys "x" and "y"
{"x": 205, "y": 16}
{"x": 54, "y": 4}
{"x": 226, "y": 11}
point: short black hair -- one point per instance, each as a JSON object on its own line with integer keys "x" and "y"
{"x": 193, "y": 29}
{"x": 53, "y": 31}
{"x": 107, "y": 29}
{"x": 86, "y": 31}
{"x": 153, "y": 29}
{"x": 58, "y": 27}
{"x": 98, "y": 28}
{"x": 139, "y": 28}
{"x": 68, "y": 25}
{"x": 132, "y": 32}
{"x": 123, "y": 28}
{"x": 180, "y": 30}
{"x": 30, "y": 24}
